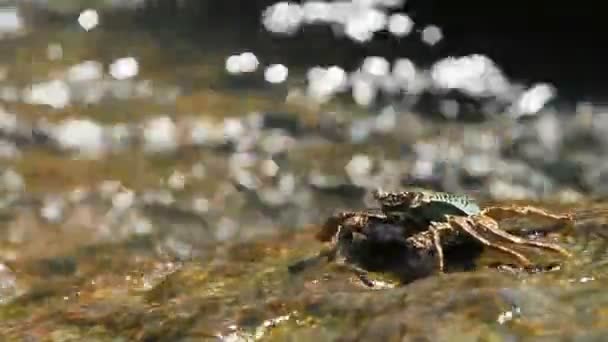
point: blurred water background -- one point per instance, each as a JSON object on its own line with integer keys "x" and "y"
{"x": 161, "y": 164}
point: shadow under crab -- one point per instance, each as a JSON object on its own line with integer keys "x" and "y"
{"x": 411, "y": 232}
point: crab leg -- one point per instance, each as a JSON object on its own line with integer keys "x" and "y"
{"x": 299, "y": 266}
{"x": 466, "y": 225}
{"x": 500, "y": 213}
{"x": 492, "y": 226}
{"x": 362, "y": 274}
{"x": 437, "y": 243}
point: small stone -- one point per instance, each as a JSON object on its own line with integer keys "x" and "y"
{"x": 198, "y": 171}
{"x": 200, "y": 132}
{"x": 54, "y": 93}
{"x": 78, "y": 195}
{"x": 108, "y": 188}
{"x": 423, "y": 169}
{"x": 177, "y": 181}
{"x": 8, "y": 284}
{"x": 242, "y": 160}
{"x": 364, "y": 92}
{"x": 54, "y": 52}
{"x": 85, "y": 71}
{"x": 123, "y": 200}
{"x": 534, "y": 99}
{"x": 200, "y": 205}
{"x": 360, "y": 131}
{"x": 387, "y": 120}
{"x": 287, "y": 184}
{"x": 269, "y": 168}
{"x": 272, "y": 197}
{"x": 276, "y": 143}
{"x": 359, "y": 165}
{"x": 84, "y": 136}
{"x": 141, "y": 226}
{"x": 160, "y": 135}
{"x": 477, "y": 165}
{"x": 12, "y": 181}
{"x": 227, "y": 229}
{"x": 233, "y": 129}
{"x": 570, "y": 196}
{"x": 246, "y": 178}
{"x": 162, "y": 197}
{"x": 8, "y": 122}
{"x": 549, "y": 130}
{"x": 120, "y": 136}
{"x": 52, "y": 210}
{"x": 9, "y": 150}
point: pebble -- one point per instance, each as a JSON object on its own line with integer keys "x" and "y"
{"x": 123, "y": 200}
{"x": 54, "y": 93}
{"x": 86, "y": 71}
{"x": 9, "y": 150}
{"x": 276, "y": 142}
{"x": 200, "y": 205}
{"x": 359, "y": 165}
{"x": 160, "y": 135}
{"x": 177, "y": 181}
{"x": 287, "y": 183}
{"x": 198, "y": 171}
{"x": 8, "y": 284}
{"x": 12, "y": 181}
{"x": 269, "y": 168}
{"x": 52, "y": 210}
{"x": 82, "y": 135}
{"x": 227, "y": 229}
{"x": 108, "y": 188}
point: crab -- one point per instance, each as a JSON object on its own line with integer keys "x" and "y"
{"x": 424, "y": 222}
{"x": 446, "y": 215}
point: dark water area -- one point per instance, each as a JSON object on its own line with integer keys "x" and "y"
{"x": 531, "y": 41}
